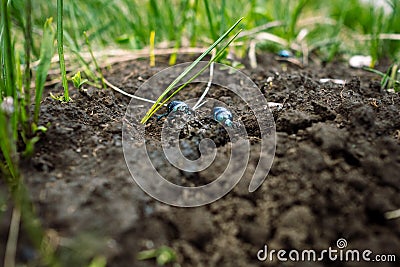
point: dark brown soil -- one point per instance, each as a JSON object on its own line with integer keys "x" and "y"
{"x": 335, "y": 174}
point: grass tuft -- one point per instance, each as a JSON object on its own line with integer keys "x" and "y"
{"x": 391, "y": 79}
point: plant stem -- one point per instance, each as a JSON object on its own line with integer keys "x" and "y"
{"x": 11, "y": 247}
{"x": 152, "y": 56}
{"x": 393, "y": 76}
{"x": 60, "y": 43}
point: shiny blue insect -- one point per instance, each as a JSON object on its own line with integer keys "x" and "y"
{"x": 285, "y": 53}
{"x": 223, "y": 115}
{"x": 176, "y": 105}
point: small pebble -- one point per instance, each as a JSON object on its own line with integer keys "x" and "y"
{"x": 359, "y": 61}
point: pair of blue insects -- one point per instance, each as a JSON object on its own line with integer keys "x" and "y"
{"x": 220, "y": 114}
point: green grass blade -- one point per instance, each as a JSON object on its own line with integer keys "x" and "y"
{"x": 222, "y": 25}
{"x": 73, "y": 10}
{"x": 26, "y": 101}
{"x": 85, "y": 65}
{"x": 8, "y": 149}
{"x": 21, "y": 106}
{"x": 210, "y": 20}
{"x": 374, "y": 71}
{"x": 185, "y": 8}
{"x": 60, "y": 44}
{"x": 193, "y": 23}
{"x": 28, "y": 43}
{"x": 9, "y": 73}
{"x": 295, "y": 17}
{"x": 157, "y": 23}
{"x": 94, "y": 60}
{"x": 9, "y": 88}
{"x": 219, "y": 54}
{"x": 171, "y": 20}
{"x": 156, "y": 105}
{"x": 393, "y": 76}
{"x": 46, "y": 52}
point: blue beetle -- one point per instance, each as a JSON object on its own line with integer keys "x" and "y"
{"x": 223, "y": 115}
{"x": 285, "y": 53}
{"x": 174, "y": 106}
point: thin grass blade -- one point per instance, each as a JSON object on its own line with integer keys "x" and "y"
{"x": 214, "y": 59}
{"x": 46, "y": 53}
{"x": 156, "y": 106}
{"x": 210, "y": 20}
{"x": 7, "y": 55}
{"x": 60, "y": 43}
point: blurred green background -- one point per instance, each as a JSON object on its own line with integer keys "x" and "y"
{"x": 341, "y": 26}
